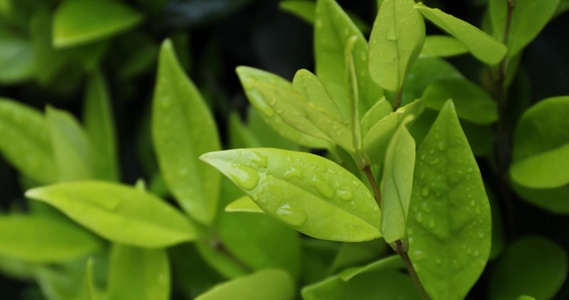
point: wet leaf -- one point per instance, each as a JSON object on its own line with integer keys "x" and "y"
{"x": 309, "y": 193}
{"x": 396, "y": 40}
{"x": 541, "y": 145}
{"x": 138, "y": 274}
{"x": 442, "y": 46}
{"x": 531, "y": 266}
{"x": 23, "y": 235}
{"x": 243, "y": 204}
{"x": 83, "y": 21}
{"x": 266, "y": 284}
{"x": 25, "y": 141}
{"x": 144, "y": 219}
{"x": 472, "y": 103}
{"x": 484, "y": 47}
{"x": 449, "y": 224}
{"x": 528, "y": 19}
{"x": 397, "y": 183}
{"x": 249, "y": 75}
{"x": 183, "y": 129}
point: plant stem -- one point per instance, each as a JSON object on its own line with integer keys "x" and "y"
{"x": 218, "y": 245}
{"x": 397, "y": 100}
{"x": 403, "y": 254}
{"x": 373, "y": 184}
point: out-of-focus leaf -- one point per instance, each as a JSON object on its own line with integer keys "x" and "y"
{"x": 240, "y": 136}
{"x": 387, "y": 263}
{"x": 181, "y": 13}
{"x": 442, "y": 46}
{"x": 353, "y": 254}
{"x": 16, "y": 57}
{"x": 553, "y": 199}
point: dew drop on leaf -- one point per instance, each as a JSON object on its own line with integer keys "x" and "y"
{"x": 245, "y": 177}
{"x": 294, "y": 216}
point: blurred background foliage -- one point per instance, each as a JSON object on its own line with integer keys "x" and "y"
{"x": 43, "y": 62}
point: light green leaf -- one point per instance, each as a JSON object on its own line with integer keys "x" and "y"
{"x": 83, "y": 21}
{"x": 183, "y": 129}
{"x": 90, "y": 291}
{"x": 442, "y": 46}
{"x": 144, "y": 219}
{"x": 311, "y": 194}
{"x": 332, "y": 30}
{"x": 25, "y": 141}
{"x": 309, "y": 86}
{"x": 531, "y": 266}
{"x": 240, "y": 136}
{"x": 449, "y": 224}
{"x": 304, "y": 116}
{"x": 243, "y": 204}
{"x": 247, "y": 76}
{"x": 381, "y": 109}
{"x": 354, "y": 100}
{"x": 541, "y": 145}
{"x": 377, "y": 138}
{"x": 100, "y": 126}
{"x": 138, "y": 274}
{"x": 266, "y": 284}
{"x": 22, "y": 236}
{"x": 471, "y": 101}
{"x": 72, "y": 148}
{"x": 397, "y": 183}
{"x": 16, "y": 57}
{"x": 528, "y": 18}
{"x": 387, "y": 263}
{"x": 396, "y": 40}
{"x": 484, "y": 47}
{"x": 383, "y": 284}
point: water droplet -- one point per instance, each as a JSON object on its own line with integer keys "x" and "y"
{"x": 410, "y": 231}
{"x": 423, "y": 156}
{"x": 434, "y": 161}
{"x": 426, "y": 208}
{"x": 481, "y": 235}
{"x": 432, "y": 224}
{"x": 419, "y": 255}
{"x": 476, "y": 253}
{"x": 245, "y": 177}
{"x": 442, "y": 146}
{"x": 319, "y": 23}
{"x": 294, "y": 216}
{"x": 419, "y": 217}
{"x": 345, "y": 194}
{"x": 470, "y": 170}
{"x": 425, "y": 192}
{"x": 292, "y": 172}
{"x": 321, "y": 187}
{"x": 472, "y": 203}
{"x": 438, "y": 261}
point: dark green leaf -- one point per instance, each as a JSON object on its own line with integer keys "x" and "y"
{"x": 449, "y": 224}
{"x": 355, "y": 254}
{"x": 16, "y": 57}
{"x": 387, "y": 263}
{"x": 311, "y": 194}
{"x": 90, "y": 291}
{"x": 144, "y": 220}
{"x": 240, "y": 136}
{"x": 183, "y": 129}
{"x": 553, "y": 199}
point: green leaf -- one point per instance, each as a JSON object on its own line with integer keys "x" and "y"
{"x": 16, "y": 57}
{"x": 84, "y": 21}
{"x": 541, "y": 145}
{"x": 442, "y": 46}
{"x": 72, "y": 148}
{"x": 311, "y": 194}
{"x": 553, "y": 199}
{"x": 531, "y": 266}
{"x": 387, "y": 263}
{"x": 471, "y": 101}
{"x": 384, "y": 284}
{"x": 138, "y": 274}
{"x": 22, "y": 236}
{"x": 484, "y": 47}
{"x": 183, "y": 129}
{"x": 524, "y": 297}
{"x": 381, "y": 109}
{"x": 144, "y": 219}
{"x": 309, "y": 86}
{"x": 219, "y": 259}
{"x": 527, "y": 20}
{"x": 240, "y": 136}
{"x": 396, "y": 40}
{"x": 266, "y": 284}
{"x": 449, "y": 225}
{"x": 305, "y": 116}
{"x": 376, "y": 140}
{"x": 317, "y": 255}
{"x": 249, "y": 75}
{"x": 243, "y": 204}
{"x": 90, "y": 291}
{"x": 332, "y": 30}
{"x": 356, "y": 254}
{"x": 25, "y": 141}
{"x": 354, "y": 100}
{"x": 100, "y": 125}
{"x": 397, "y": 183}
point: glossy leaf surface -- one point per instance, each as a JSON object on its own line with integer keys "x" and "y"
{"x": 397, "y": 183}
{"x": 25, "y": 141}
{"x": 541, "y": 145}
{"x": 528, "y": 19}
{"x": 247, "y": 76}
{"x": 243, "y": 204}
{"x": 531, "y": 266}
{"x": 472, "y": 103}
{"x": 449, "y": 224}
{"x": 484, "y": 47}
{"x": 83, "y": 21}
{"x": 22, "y": 236}
{"x": 138, "y": 274}
{"x": 266, "y": 284}
{"x": 396, "y": 40}
{"x": 381, "y": 109}
{"x": 100, "y": 125}
{"x": 119, "y": 213}
{"x": 311, "y": 194}
{"x": 442, "y": 46}
{"x": 183, "y": 129}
